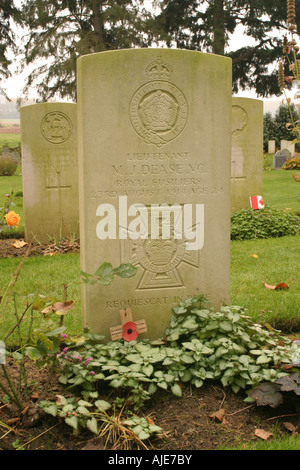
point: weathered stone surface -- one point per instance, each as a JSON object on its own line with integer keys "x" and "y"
{"x": 280, "y": 157}
{"x": 150, "y": 134}
{"x": 50, "y": 171}
{"x": 271, "y": 146}
{"x": 247, "y": 151}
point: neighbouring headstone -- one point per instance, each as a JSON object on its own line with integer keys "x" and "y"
{"x": 246, "y": 151}
{"x": 50, "y": 171}
{"x": 271, "y": 146}
{"x": 287, "y": 144}
{"x": 280, "y": 158}
{"x": 154, "y": 181}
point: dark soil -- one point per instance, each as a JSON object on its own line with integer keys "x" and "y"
{"x": 11, "y": 248}
{"x": 203, "y": 419}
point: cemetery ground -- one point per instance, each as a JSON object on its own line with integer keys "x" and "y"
{"x": 210, "y": 417}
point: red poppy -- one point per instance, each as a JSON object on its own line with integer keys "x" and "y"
{"x": 130, "y": 332}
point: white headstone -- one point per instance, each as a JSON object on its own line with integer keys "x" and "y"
{"x": 49, "y": 171}
{"x": 149, "y": 138}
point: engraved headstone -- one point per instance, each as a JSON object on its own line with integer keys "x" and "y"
{"x": 154, "y": 181}
{"x": 287, "y": 144}
{"x": 49, "y": 171}
{"x": 280, "y": 158}
{"x": 271, "y": 146}
{"x": 246, "y": 151}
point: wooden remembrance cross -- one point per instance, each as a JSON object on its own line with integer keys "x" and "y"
{"x": 128, "y": 329}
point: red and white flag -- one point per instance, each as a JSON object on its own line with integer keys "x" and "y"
{"x": 257, "y": 202}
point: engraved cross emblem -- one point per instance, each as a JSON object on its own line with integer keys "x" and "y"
{"x": 234, "y": 172}
{"x": 237, "y": 176}
{"x": 58, "y": 187}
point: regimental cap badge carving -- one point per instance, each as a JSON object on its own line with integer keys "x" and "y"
{"x": 239, "y": 121}
{"x": 158, "y": 109}
{"x": 56, "y": 127}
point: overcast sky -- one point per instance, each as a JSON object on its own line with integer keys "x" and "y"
{"x": 14, "y": 85}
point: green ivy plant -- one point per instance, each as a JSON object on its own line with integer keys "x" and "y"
{"x": 200, "y": 344}
{"x": 249, "y": 224}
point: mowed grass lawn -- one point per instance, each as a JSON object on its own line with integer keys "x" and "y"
{"x": 278, "y": 261}
{"x": 12, "y": 186}
{"x": 10, "y": 140}
{"x": 281, "y": 191}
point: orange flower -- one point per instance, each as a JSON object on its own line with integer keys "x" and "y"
{"x": 12, "y": 219}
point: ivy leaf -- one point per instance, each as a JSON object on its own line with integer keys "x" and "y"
{"x": 102, "y": 405}
{"x": 136, "y": 358}
{"x": 83, "y": 410}
{"x": 152, "y": 389}
{"x": 187, "y": 359}
{"x": 91, "y": 424}
{"x": 263, "y": 359}
{"x": 143, "y": 435}
{"x": 49, "y": 407}
{"x": 176, "y": 390}
{"x": 179, "y": 310}
{"x": 226, "y": 325}
{"x": 190, "y": 324}
{"x": 72, "y": 421}
{"x": 33, "y": 353}
{"x": 148, "y": 370}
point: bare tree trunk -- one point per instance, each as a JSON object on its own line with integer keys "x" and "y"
{"x": 98, "y": 25}
{"x": 219, "y": 27}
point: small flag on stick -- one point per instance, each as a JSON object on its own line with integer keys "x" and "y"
{"x": 257, "y": 202}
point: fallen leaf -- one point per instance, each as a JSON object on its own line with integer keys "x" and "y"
{"x": 254, "y": 255}
{"x": 61, "y": 308}
{"x": 224, "y": 421}
{"x": 150, "y": 420}
{"x": 262, "y": 434}
{"x": 95, "y": 444}
{"x": 12, "y": 421}
{"x": 290, "y": 427}
{"x": 47, "y": 310}
{"x": 19, "y": 244}
{"x": 268, "y": 286}
{"x": 279, "y": 286}
{"x": 218, "y": 415}
{"x": 60, "y": 400}
{"x": 296, "y": 178}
